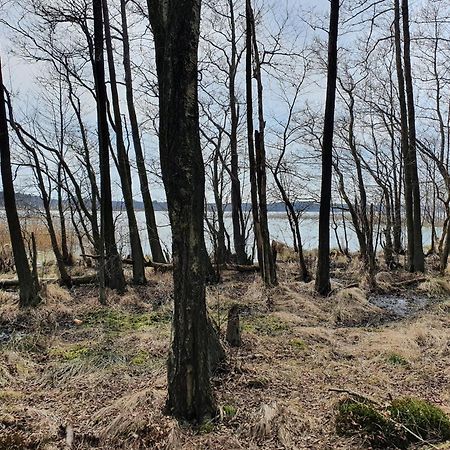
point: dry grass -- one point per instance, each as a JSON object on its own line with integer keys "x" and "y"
{"x": 52, "y": 293}
{"x": 353, "y": 308}
{"x": 435, "y": 287}
{"x": 100, "y": 371}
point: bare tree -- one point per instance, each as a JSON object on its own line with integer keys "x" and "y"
{"x": 322, "y": 284}
{"x": 111, "y": 272}
{"x": 28, "y": 288}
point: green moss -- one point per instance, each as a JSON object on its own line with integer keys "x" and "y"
{"x": 298, "y": 344}
{"x": 118, "y": 321}
{"x": 140, "y": 358}
{"x": 423, "y": 418}
{"x": 229, "y": 410}
{"x": 266, "y": 326}
{"x": 206, "y": 427}
{"x": 258, "y": 383}
{"x": 361, "y": 417}
{"x": 388, "y": 427}
{"x": 397, "y": 360}
{"x": 71, "y": 353}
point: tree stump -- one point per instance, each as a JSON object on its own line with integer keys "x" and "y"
{"x": 233, "y": 327}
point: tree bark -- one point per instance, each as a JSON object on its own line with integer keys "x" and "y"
{"x": 268, "y": 263}
{"x": 408, "y": 188}
{"x": 322, "y": 284}
{"x": 124, "y": 164}
{"x": 150, "y": 220}
{"x": 236, "y": 197}
{"x": 111, "y": 272}
{"x": 418, "y": 254}
{"x": 176, "y": 29}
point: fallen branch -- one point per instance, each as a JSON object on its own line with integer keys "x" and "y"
{"x": 159, "y": 267}
{"x": 164, "y": 267}
{"x": 76, "y": 281}
{"x": 242, "y": 268}
{"x": 411, "y": 281}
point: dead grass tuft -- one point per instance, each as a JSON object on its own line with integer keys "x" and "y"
{"x": 353, "y": 308}
{"x": 384, "y": 281}
{"x": 28, "y": 428}
{"x": 282, "y": 422}
{"x": 435, "y": 287}
{"x": 8, "y": 297}
{"x": 136, "y": 421}
{"x": 53, "y": 293}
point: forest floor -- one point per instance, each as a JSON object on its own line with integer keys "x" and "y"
{"x": 74, "y": 372}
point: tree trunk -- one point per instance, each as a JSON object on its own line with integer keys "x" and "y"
{"x": 176, "y": 30}
{"x": 269, "y": 267}
{"x": 251, "y": 142}
{"x": 67, "y": 257}
{"x": 322, "y": 284}
{"x": 124, "y": 169}
{"x": 28, "y": 295}
{"x": 405, "y": 144}
{"x": 150, "y": 220}
{"x": 257, "y": 148}
{"x": 111, "y": 272}
{"x": 236, "y": 198}
{"x": 418, "y": 255}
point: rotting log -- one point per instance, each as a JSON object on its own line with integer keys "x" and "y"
{"x": 76, "y": 281}
{"x": 166, "y": 267}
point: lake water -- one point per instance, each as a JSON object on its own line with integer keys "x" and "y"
{"x": 278, "y": 227}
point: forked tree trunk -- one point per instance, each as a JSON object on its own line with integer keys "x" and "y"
{"x": 176, "y": 29}
{"x": 270, "y": 274}
{"x": 124, "y": 169}
{"x": 409, "y": 210}
{"x": 322, "y": 284}
{"x": 236, "y": 197}
{"x": 250, "y": 140}
{"x": 111, "y": 272}
{"x": 150, "y": 220}
{"x": 418, "y": 254}
{"x": 257, "y": 156}
{"x": 28, "y": 290}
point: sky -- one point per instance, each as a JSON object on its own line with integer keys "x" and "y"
{"x": 20, "y": 77}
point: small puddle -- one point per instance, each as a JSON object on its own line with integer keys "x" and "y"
{"x": 400, "y": 306}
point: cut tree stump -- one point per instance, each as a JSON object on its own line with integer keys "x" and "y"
{"x": 233, "y": 327}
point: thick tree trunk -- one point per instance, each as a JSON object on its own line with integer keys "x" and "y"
{"x": 176, "y": 29}
{"x": 322, "y": 284}
{"x": 111, "y": 272}
{"x": 150, "y": 220}
{"x": 28, "y": 295}
{"x": 124, "y": 164}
